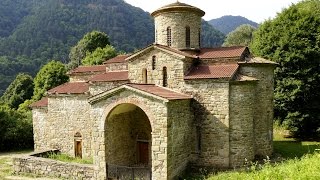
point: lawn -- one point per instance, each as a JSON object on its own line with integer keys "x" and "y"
{"x": 301, "y": 161}
{"x": 5, "y": 167}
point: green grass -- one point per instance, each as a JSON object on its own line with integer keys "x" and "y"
{"x": 305, "y": 168}
{"x": 302, "y": 161}
{"x": 5, "y": 167}
{"x": 69, "y": 159}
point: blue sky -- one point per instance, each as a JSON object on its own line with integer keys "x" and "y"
{"x": 256, "y": 10}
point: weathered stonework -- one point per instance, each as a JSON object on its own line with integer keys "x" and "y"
{"x": 263, "y": 118}
{"x": 242, "y": 103}
{"x": 219, "y": 118}
{"x": 52, "y": 168}
{"x": 99, "y": 87}
{"x": 66, "y": 115}
{"x": 178, "y": 23}
{"x": 116, "y": 67}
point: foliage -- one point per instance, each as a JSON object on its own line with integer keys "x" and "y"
{"x": 210, "y": 37}
{"x": 67, "y": 158}
{"x": 86, "y": 46}
{"x": 99, "y": 55}
{"x": 19, "y": 90}
{"x": 242, "y": 36}
{"x": 292, "y": 39}
{"x": 49, "y": 76}
{"x": 15, "y": 130}
{"x": 227, "y": 24}
{"x": 34, "y": 32}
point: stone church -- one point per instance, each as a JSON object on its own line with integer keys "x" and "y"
{"x": 166, "y": 107}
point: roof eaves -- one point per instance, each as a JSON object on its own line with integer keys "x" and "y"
{"x": 111, "y": 92}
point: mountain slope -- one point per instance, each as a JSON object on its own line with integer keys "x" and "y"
{"x": 36, "y": 31}
{"x": 226, "y": 24}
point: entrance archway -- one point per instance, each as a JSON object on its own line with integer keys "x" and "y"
{"x": 127, "y": 138}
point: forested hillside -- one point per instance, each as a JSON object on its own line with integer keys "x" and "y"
{"x": 226, "y": 24}
{"x": 32, "y": 32}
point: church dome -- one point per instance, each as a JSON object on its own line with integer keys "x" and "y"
{"x": 178, "y": 7}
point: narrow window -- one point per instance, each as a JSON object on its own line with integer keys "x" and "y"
{"x": 153, "y": 62}
{"x": 169, "y": 36}
{"x": 199, "y": 36}
{"x": 165, "y": 77}
{"x": 188, "y": 37}
{"x": 145, "y": 76}
{"x": 78, "y": 145}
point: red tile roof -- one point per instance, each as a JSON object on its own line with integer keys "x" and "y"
{"x": 159, "y": 91}
{"x": 42, "y": 103}
{"x": 222, "y": 52}
{"x": 88, "y": 69}
{"x": 111, "y": 76}
{"x": 70, "y": 88}
{"x": 117, "y": 59}
{"x": 212, "y": 71}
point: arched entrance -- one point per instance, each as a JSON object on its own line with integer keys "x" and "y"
{"x": 128, "y": 142}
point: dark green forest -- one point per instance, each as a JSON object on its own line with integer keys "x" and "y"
{"x": 33, "y": 32}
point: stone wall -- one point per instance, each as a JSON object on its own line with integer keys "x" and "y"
{"x": 67, "y": 115}
{"x": 263, "y": 113}
{"x": 176, "y": 68}
{"x": 40, "y": 125}
{"x": 242, "y": 103}
{"x": 82, "y": 77}
{"x": 99, "y": 87}
{"x": 178, "y": 23}
{"x": 211, "y": 112}
{"x": 116, "y": 67}
{"x": 52, "y": 168}
{"x": 180, "y": 138}
{"x": 156, "y": 112}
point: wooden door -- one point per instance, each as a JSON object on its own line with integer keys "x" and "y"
{"x": 143, "y": 150}
{"x": 78, "y": 149}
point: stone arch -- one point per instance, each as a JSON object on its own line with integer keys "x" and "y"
{"x": 133, "y": 101}
{"x": 128, "y": 137}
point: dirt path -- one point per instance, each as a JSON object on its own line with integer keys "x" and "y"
{"x": 6, "y": 167}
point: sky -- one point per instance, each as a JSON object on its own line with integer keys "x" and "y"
{"x": 255, "y": 10}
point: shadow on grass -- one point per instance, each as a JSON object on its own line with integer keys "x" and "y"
{"x": 291, "y": 149}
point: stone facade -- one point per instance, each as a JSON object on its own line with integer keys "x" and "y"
{"x": 178, "y": 23}
{"x": 53, "y": 168}
{"x": 173, "y": 107}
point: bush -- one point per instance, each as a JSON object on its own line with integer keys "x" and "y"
{"x": 16, "y": 130}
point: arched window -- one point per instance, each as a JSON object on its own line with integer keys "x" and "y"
{"x": 165, "y": 77}
{"x": 153, "y": 62}
{"x": 199, "y": 36}
{"x": 78, "y": 145}
{"x": 169, "y": 40}
{"x": 145, "y": 76}
{"x": 188, "y": 37}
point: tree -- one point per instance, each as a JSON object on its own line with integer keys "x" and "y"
{"x": 99, "y": 55}
{"x": 49, "y": 76}
{"x": 18, "y": 91}
{"x": 89, "y": 43}
{"x": 15, "y": 130}
{"x": 292, "y": 39}
{"x": 241, "y": 36}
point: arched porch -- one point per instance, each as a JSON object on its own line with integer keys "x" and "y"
{"x": 128, "y": 143}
